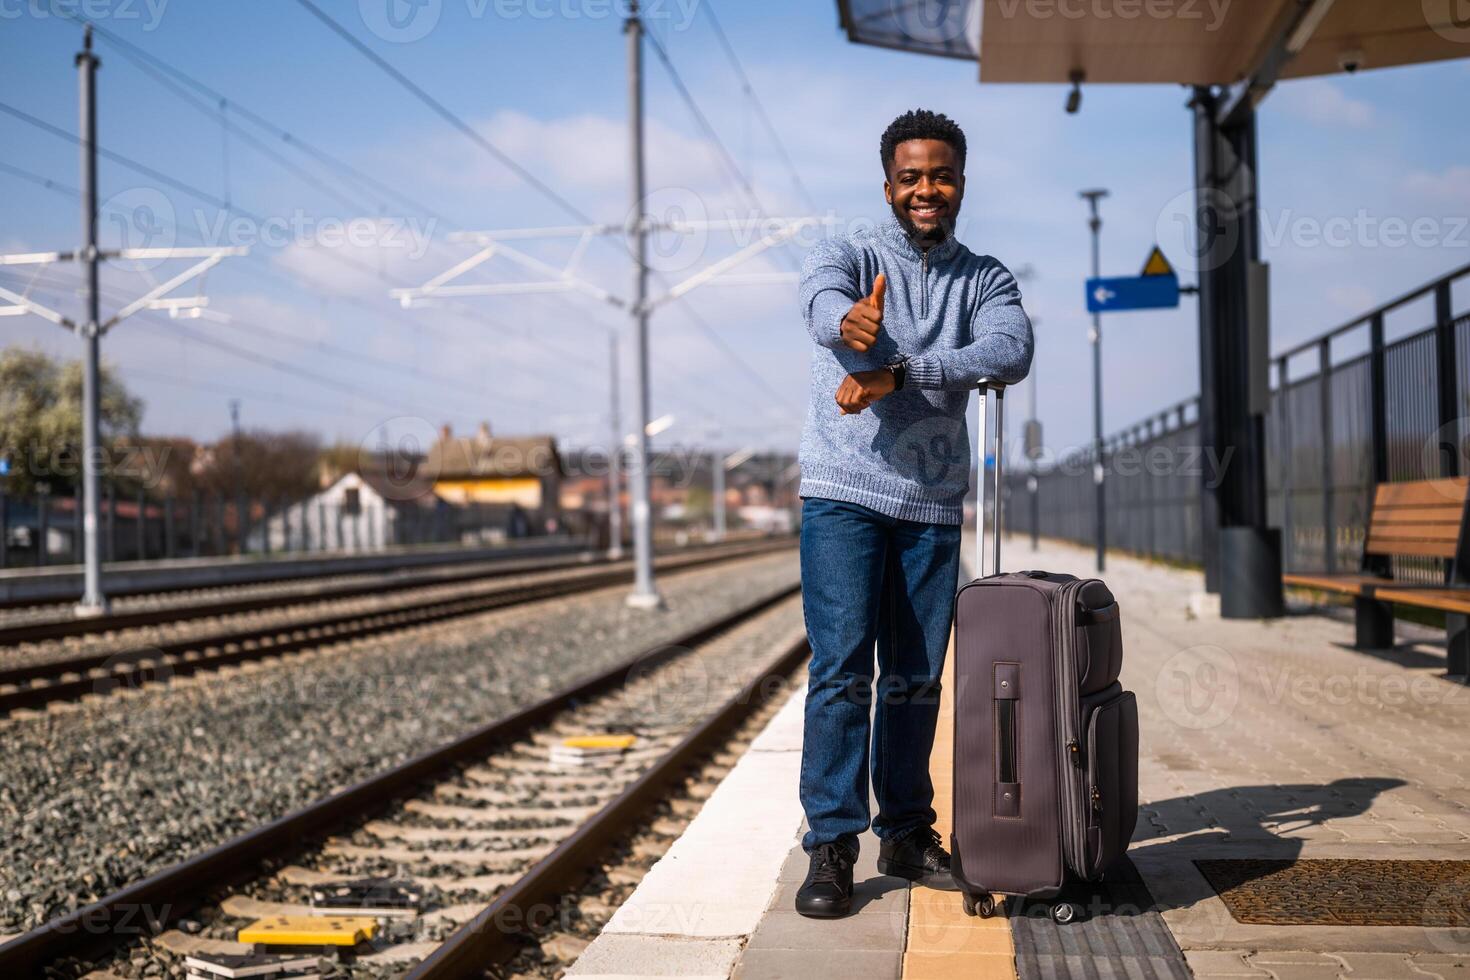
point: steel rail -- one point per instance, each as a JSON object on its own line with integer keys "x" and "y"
{"x": 276, "y": 568}
{"x": 55, "y": 629}
{"x": 490, "y": 938}
{"x": 416, "y": 576}
{"x": 146, "y": 907}
{"x": 68, "y": 679}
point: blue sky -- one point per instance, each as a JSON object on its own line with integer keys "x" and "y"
{"x": 1363, "y": 152}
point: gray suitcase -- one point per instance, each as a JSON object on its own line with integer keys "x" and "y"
{"x": 1045, "y": 738}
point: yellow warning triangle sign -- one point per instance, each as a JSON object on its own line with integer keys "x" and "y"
{"x": 1156, "y": 264}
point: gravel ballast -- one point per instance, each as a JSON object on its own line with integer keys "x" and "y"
{"x": 97, "y": 795}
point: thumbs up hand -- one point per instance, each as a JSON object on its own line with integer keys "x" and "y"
{"x": 861, "y": 325}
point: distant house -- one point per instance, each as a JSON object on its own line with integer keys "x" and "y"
{"x": 521, "y": 474}
{"x": 351, "y": 515}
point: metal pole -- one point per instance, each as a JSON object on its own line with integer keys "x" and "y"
{"x": 93, "y": 602}
{"x": 982, "y": 438}
{"x": 1033, "y": 483}
{"x": 645, "y": 592}
{"x": 615, "y": 460}
{"x": 1000, "y": 394}
{"x": 717, "y": 463}
{"x": 1095, "y": 223}
{"x": 241, "y": 521}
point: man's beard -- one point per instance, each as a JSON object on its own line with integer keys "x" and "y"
{"x": 920, "y": 237}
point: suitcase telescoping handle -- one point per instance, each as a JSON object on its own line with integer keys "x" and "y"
{"x": 986, "y": 385}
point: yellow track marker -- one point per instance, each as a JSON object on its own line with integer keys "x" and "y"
{"x": 310, "y": 930}
{"x": 599, "y": 741}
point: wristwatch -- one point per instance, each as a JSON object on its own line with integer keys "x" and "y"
{"x": 900, "y": 369}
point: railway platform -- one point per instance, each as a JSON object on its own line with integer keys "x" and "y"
{"x": 1304, "y": 815}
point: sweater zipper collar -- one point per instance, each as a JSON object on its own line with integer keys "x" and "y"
{"x": 924, "y": 285}
{"x": 898, "y": 241}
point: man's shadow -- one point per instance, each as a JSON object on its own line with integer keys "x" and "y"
{"x": 1193, "y": 823}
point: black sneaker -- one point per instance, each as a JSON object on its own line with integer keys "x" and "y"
{"x": 827, "y": 891}
{"x": 918, "y": 856}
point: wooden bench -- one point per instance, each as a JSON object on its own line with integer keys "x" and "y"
{"x": 1423, "y": 518}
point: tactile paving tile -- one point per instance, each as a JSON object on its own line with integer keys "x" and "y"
{"x": 1118, "y": 932}
{"x": 1353, "y": 892}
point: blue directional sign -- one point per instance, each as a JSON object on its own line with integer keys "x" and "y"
{"x": 1132, "y": 293}
{"x": 1156, "y": 289}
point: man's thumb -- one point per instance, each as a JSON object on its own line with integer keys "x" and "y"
{"x": 880, "y": 285}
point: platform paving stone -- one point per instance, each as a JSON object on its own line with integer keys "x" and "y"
{"x": 807, "y": 964}
{"x": 1278, "y": 740}
{"x": 1258, "y": 740}
{"x": 627, "y": 955}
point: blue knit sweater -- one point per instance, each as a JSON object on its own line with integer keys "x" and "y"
{"x": 957, "y": 317}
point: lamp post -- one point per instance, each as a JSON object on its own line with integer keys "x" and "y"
{"x": 1095, "y": 224}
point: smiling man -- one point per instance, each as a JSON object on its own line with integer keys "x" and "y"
{"x": 906, "y": 320}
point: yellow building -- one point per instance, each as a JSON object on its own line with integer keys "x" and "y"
{"x": 524, "y": 471}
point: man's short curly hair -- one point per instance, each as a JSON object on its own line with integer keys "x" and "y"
{"x": 921, "y": 124}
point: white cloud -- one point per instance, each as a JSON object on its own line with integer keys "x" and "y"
{"x": 1323, "y": 103}
{"x": 1449, "y": 187}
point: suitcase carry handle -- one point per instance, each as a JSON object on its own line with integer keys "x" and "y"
{"x": 987, "y": 385}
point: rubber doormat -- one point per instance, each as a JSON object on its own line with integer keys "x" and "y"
{"x": 1330, "y": 892}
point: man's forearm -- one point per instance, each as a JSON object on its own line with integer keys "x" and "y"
{"x": 824, "y": 316}
{"x": 1002, "y": 352}
{"x": 829, "y": 287}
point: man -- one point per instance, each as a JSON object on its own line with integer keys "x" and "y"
{"x": 906, "y": 320}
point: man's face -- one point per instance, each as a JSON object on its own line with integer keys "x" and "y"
{"x": 924, "y": 188}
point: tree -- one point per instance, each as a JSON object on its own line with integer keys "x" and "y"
{"x": 41, "y": 421}
{"x": 272, "y": 465}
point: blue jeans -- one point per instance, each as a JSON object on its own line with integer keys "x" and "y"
{"x": 868, "y": 578}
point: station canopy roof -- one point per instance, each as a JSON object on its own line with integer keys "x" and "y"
{"x": 1195, "y": 42}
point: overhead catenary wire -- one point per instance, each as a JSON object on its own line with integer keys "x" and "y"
{"x": 158, "y": 69}
{"x": 321, "y": 346}
{"x": 50, "y": 284}
{"x": 760, "y": 109}
{"x": 459, "y": 124}
{"x": 141, "y": 57}
{"x": 445, "y": 113}
{"x": 59, "y": 187}
{"x": 161, "y": 71}
{"x": 702, "y": 121}
{"x": 207, "y": 197}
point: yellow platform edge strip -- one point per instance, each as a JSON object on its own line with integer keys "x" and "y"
{"x": 943, "y": 941}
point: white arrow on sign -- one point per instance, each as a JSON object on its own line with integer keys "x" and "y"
{"x": 1102, "y": 294}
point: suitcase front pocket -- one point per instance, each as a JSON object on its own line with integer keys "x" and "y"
{"x": 1112, "y": 781}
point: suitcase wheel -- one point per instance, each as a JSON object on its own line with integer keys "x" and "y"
{"x": 1063, "y": 912}
{"x": 982, "y": 905}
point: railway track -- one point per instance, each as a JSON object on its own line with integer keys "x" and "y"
{"x": 227, "y": 600}
{"x": 486, "y": 828}
{"x": 252, "y": 597}
{"x": 34, "y": 685}
{"x": 298, "y": 567}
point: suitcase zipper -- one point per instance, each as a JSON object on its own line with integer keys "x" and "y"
{"x": 1090, "y": 774}
{"x": 1073, "y": 768}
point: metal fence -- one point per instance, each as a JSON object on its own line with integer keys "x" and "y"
{"x": 45, "y": 529}
{"x": 1348, "y": 410}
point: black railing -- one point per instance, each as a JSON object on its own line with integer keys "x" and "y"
{"x": 1349, "y": 409}
{"x": 44, "y": 529}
